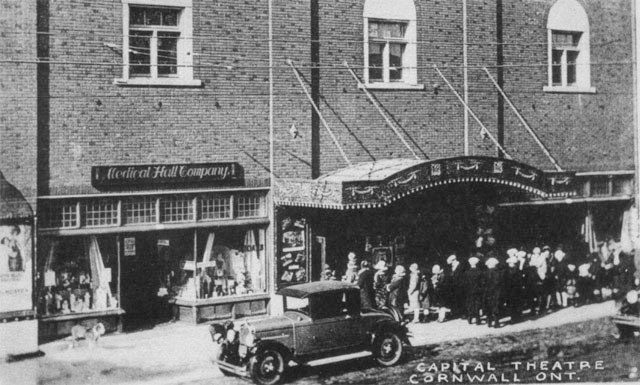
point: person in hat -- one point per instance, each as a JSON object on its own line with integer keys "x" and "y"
{"x": 380, "y": 279}
{"x": 473, "y": 285}
{"x": 494, "y": 284}
{"x": 397, "y": 288}
{"x": 413, "y": 292}
{"x": 454, "y": 281}
{"x": 560, "y": 272}
{"x": 365, "y": 283}
{"x": 513, "y": 287}
{"x": 528, "y": 277}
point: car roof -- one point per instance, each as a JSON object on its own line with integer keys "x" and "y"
{"x": 306, "y": 289}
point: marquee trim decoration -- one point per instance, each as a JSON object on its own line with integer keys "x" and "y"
{"x": 366, "y": 191}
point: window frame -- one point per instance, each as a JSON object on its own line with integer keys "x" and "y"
{"x": 184, "y": 56}
{"x": 385, "y": 11}
{"x": 557, "y": 23}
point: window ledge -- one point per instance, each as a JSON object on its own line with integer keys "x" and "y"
{"x": 569, "y": 90}
{"x": 160, "y": 82}
{"x": 391, "y": 86}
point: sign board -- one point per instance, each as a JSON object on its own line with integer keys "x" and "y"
{"x": 16, "y": 268}
{"x": 153, "y": 176}
{"x": 129, "y": 247}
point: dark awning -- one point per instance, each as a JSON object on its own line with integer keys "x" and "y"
{"x": 376, "y": 184}
{"x": 13, "y": 205}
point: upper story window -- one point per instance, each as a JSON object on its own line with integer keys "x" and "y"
{"x": 158, "y": 42}
{"x": 390, "y": 44}
{"x": 568, "y": 48}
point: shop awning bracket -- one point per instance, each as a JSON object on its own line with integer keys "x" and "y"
{"x": 317, "y": 110}
{"x": 377, "y": 106}
{"x": 484, "y": 128}
{"x": 524, "y": 122}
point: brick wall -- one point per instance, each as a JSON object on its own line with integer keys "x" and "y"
{"x": 18, "y": 96}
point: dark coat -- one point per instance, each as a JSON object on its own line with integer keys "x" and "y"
{"x": 365, "y": 283}
{"x": 398, "y": 291}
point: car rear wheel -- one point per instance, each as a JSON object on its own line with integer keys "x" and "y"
{"x": 267, "y": 367}
{"x": 388, "y": 349}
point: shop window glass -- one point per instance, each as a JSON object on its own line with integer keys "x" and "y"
{"x": 140, "y": 210}
{"x": 60, "y": 215}
{"x": 78, "y": 275}
{"x": 229, "y": 262}
{"x": 101, "y": 213}
{"x": 250, "y": 205}
{"x": 215, "y": 207}
{"x": 622, "y": 186}
{"x": 600, "y": 187}
{"x": 177, "y": 209}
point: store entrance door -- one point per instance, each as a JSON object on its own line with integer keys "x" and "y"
{"x": 140, "y": 285}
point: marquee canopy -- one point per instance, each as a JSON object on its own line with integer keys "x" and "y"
{"x": 379, "y": 183}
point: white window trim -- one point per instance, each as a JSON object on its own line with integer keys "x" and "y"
{"x": 579, "y": 22}
{"x": 185, "y": 46}
{"x": 393, "y": 11}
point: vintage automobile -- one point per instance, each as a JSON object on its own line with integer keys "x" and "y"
{"x": 320, "y": 320}
{"x": 627, "y": 318}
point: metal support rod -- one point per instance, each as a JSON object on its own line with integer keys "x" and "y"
{"x": 386, "y": 118}
{"x": 315, "y": 107}
{"x": 270, "y": 271}
{"x": 524, "y": 122}
{"x": 484, "y": 129}
{"x": 465, "y": 75}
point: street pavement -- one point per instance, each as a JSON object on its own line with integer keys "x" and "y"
{"x": 178, "y": 353}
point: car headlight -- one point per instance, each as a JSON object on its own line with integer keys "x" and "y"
{"x": 632, "y": 297}
{"x": 231, "y": 335}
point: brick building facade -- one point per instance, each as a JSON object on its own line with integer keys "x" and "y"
{"x": 193, "y": 88}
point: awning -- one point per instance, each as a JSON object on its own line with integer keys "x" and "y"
{"x": 379, "y": 183}
{"x": 13, "y": 205}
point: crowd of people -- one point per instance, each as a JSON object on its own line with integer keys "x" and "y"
{"x": 492, "y": 286}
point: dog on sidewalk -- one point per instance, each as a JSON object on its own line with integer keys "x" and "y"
{"x": 91, "y": 335}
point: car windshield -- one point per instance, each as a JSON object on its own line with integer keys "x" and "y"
{"x": 297, "y": 304}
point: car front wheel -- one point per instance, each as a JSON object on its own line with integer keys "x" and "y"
{"x": 388, "y": 349}
{"x": 267, "y": 367}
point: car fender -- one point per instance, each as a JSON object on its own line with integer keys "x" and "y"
{"x": 392, "y": 326}
{"x": 263, "y": 345}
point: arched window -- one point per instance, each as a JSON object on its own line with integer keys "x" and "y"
{"x": 390, "y": 42}
{"x": 568, "y": 48}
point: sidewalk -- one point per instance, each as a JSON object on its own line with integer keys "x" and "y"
{"x": 178, "y": 353}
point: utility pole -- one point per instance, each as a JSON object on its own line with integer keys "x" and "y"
{"x": 465, "y": 76}
{"x": 636, "y": 133}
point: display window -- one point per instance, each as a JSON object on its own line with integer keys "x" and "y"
{"x": 78, "y": 275}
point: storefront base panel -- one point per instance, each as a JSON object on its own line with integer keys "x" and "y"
{"x": 203, "y": 311}
{"x": 18, "y": 338}
{"x": 54, "y": 327}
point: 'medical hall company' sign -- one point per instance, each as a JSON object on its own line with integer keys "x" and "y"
{"x": 149, "y": 176}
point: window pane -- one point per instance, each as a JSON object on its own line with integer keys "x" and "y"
{"x": 139, "y": 53}
{"x": 136, "y": 16}
{"x": 101, "y": 213}
{"x": 167, "y": 53}
{"x": 565, "y": 39}
{"x": 395, "y": 61}
{"x": 556, "y": 67}
{"x": 154, "y": 16}
{"x": 375, "y": 61}
{"x": 140, "y": 210}
{"x": 170, "y": 17}
{"x": 572, "y": 56}
{"x": 374, "y": 29}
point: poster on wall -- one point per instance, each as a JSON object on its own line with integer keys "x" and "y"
{"x": 15, "y": 268}
{"x": 293, "y": 261}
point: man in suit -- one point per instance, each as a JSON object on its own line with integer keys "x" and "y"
{"x": 473, "y": 285}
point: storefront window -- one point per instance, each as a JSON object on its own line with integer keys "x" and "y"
{"x": 293, "y": 261}
{"x": 78, "y": 275}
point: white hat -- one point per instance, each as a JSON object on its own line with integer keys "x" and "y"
{"x": 381, "y": 265}
{"x": 473, "y": 261}
{"x": 521, "y": 254}
{"x": 559, "y": 254}
{"x": 512, "y": 260}
{"x": 491, "y": 262}
{"x": 400, "y": 270}
{"x": 451, "y": 258}
{"x": 414, "y": 268}
{"x": 536, "y": 250}
{"x": 436, "y": 269}
{"x": 512, "y": 252}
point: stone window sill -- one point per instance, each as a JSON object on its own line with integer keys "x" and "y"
{"x": 157, "y": 82}
{"x": 569, "y": 90}
{"x": 391, "y": 86}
